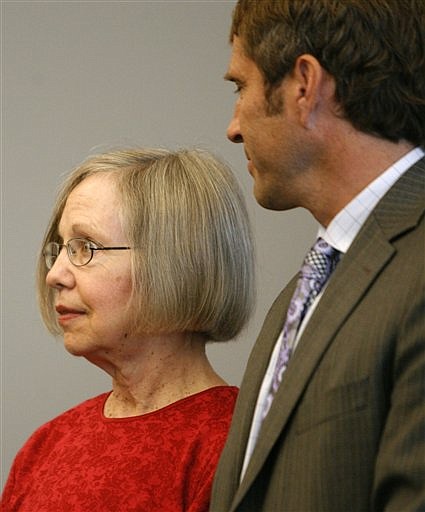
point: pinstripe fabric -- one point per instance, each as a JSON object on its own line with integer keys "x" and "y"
{"x": 346, "y": 430}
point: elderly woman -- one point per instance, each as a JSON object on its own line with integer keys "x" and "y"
{"x": 147, "y": 257}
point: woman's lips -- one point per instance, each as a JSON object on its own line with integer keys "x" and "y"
{"x": 66, "y": 314}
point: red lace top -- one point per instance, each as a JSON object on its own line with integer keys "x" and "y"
{"x": 162, "y": 461}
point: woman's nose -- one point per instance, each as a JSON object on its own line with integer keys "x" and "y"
{"x": 61, "y": 274}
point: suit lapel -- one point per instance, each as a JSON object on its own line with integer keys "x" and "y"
{"x": 253, "y": 377}
{"x": 355, "y": 276}
{"x": 355, "y": 273}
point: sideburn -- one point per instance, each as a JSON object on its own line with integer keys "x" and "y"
{"x": 274, "y": 100}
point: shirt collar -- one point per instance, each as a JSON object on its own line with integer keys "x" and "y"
{"x": 344, "y": 227}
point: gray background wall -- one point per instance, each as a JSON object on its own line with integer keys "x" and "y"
{"x": 78, "y": 76}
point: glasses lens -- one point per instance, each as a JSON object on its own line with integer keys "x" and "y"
{"x": 50, "y": 253}
{"x": 79, "y": 251}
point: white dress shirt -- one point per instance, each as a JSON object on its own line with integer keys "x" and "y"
{"x": 340, "y": 234}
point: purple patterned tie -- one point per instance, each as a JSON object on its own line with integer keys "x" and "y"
{"x": 317, "y": 267}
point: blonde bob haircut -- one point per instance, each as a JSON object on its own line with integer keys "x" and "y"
{"x": 192, "y": 255}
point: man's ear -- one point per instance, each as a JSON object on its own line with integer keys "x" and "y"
{"x": 314, "y": 89}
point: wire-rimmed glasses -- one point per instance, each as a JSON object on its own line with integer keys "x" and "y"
{"x": 80, "y": 251}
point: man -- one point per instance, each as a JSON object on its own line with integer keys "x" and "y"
{"x": 331, "y": 113}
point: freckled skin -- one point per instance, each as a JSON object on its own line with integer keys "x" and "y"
{"x": 102, "y": 288}
{"x": 148, "y": 371}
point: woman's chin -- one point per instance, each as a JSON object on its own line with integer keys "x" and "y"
{"x": 75, "y": 346}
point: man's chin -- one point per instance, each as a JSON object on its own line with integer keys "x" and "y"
{"x": 271, "y": 201}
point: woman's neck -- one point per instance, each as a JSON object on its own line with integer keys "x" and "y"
{"x": 163, "y": 370}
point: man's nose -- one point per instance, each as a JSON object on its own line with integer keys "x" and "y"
{"x": 234, "y": 130}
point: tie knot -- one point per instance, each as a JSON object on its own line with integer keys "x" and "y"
{"x": 320, "y": 261}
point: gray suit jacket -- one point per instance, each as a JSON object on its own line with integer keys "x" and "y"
{"x": 346, "y": 431}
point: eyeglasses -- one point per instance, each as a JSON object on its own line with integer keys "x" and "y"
{"x": 80, "y": 251}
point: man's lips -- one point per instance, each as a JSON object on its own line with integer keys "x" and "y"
{"x": 248, "y": 161}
